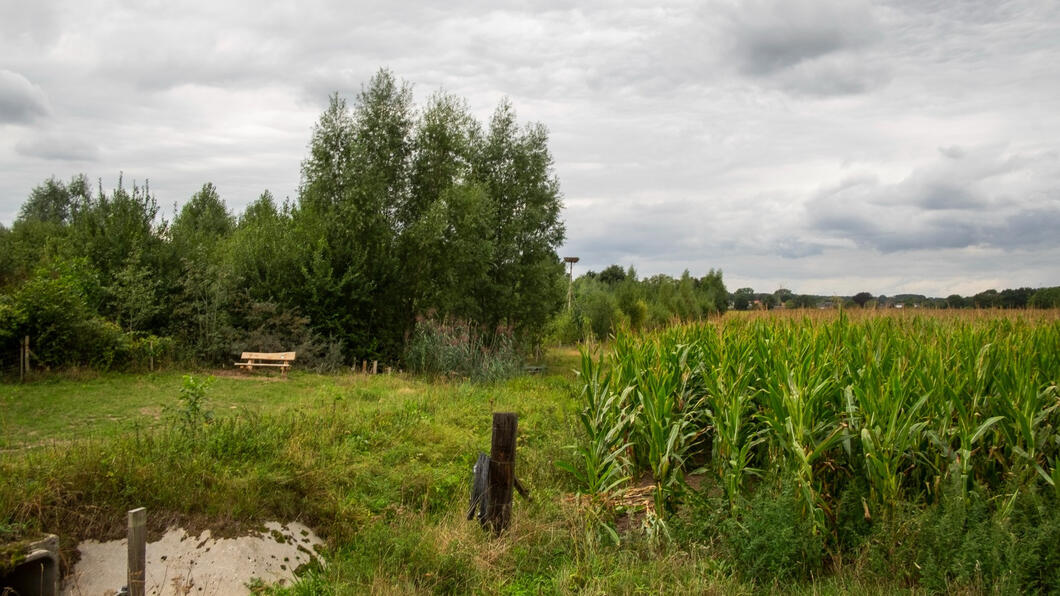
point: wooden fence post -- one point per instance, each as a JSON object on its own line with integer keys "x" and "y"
{"x": 502, "y": 471}
{"x": 23, "y": 358}
{"x": 375, "y": 367}
{"x": 137, "y": 552}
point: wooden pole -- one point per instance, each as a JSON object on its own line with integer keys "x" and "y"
{"x": 502, "y": 471}
{"x": 25, "y": 354}
{"x": 375, "y": 367}
{"x": 137, "y": 551}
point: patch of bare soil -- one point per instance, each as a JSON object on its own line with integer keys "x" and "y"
{"x": 202, "y": 563}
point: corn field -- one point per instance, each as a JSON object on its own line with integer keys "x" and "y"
{"x": 905, "y": 404}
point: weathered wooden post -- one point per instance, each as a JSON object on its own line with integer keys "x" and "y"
{"x": 502, "y": 471}
{"x": 23, "y": 360}
{"x": 137, "y": 552}
{"x": 375, "y": 367}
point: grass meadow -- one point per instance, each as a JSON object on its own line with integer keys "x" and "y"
{"x": 380, "y": 466}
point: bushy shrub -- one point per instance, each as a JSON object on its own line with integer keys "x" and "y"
{"x": 56, "y": 316}
{"x": 771, "y": 540}
{"x": 563, "y": 329}
{"x": 461, "y": 349}
{"x": 969, "y": 542}
{"x": 600, "y": 308}
{"x": 52, "y": 309}
{"x": 190, "y": 414}
{"x": 12, "y": 320}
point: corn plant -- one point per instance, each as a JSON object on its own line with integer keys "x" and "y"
{"x": 731, "y": 403}
{"x": 601, "y": 463}
{"x": 903, "y": 401}
{"x": 664, "y": 422}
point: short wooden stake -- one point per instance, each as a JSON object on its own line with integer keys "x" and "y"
{"x": 364, "y": 366}
{"x": 137, "y": 552}
{"x": 375, "y": 367}
{"x": 502, "y": 471}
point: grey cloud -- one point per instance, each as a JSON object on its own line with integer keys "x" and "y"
{"x": 952, "y": 152}
{"x": 837, "y": 74}
{"x": 944, "y": 196}
{"x": 950, "y": 204}
{"x": 1032, "y": 228}
{"x": 791, "y": 247}
{"x": 57, "y": 147}
{"x": 769, "y": 36}
{"x": 20, "y": 100}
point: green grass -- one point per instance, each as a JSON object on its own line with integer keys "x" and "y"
{"x": 84, "y": 405}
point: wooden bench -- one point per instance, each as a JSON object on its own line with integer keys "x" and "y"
{"x": 281, "y": 360}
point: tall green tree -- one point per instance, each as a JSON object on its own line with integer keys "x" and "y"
{"x": 354, "y": 183}
{"x": 515, "y": 167}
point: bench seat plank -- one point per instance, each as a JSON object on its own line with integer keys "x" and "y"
{"x": 281, "y": 360}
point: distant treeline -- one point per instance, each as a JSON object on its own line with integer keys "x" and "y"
{"x": 748, "y": 299}
{"x": 403, "y": 215}
{"x": 615, "y": 298}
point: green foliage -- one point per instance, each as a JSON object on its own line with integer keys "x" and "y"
{"x": 772, "y": 541}
{"x": 52, "y": 309}
{"x": 615, "y": 299}
{"x": 1045, "y": 298}
{"x": 203, "y": 221}
{"x": 600, "y": 464}
{"x": 206, "y": 300}
{"x": 563, "y": 329}
{"x": 190, "y": 413}
{"x": 463, "y": 350}
{"x": 53, "y": 202}
{"x": 895, "y": 406}
{"x": 402, "y": 213}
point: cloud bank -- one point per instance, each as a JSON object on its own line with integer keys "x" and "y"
{"x": 830, "y": 147}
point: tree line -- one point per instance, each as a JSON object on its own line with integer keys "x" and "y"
{"x": 614, "y": 298}
{"x": 403, "y": 215}
{"x": 1047, "y": 297}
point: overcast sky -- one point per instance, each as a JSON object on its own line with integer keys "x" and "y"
{"x": 826, "y": 147}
